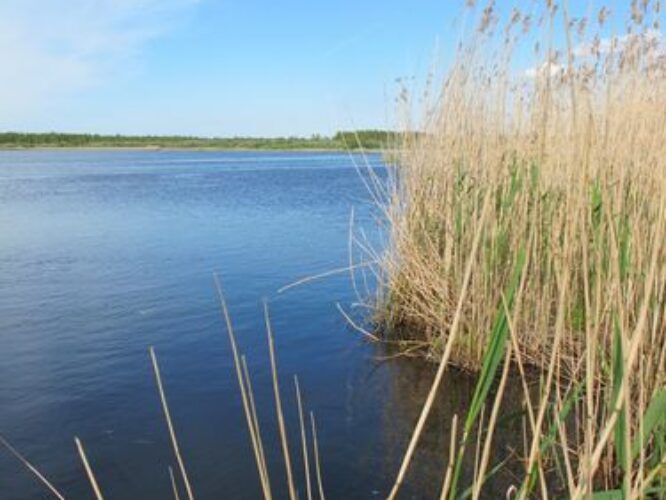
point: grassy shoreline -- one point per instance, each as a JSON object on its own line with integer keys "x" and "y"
{"x": 374, "y": 140}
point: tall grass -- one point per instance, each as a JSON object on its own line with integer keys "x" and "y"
{"x": 527, "y": 216}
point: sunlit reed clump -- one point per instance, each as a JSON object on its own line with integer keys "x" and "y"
{"x": 527, "y": 219}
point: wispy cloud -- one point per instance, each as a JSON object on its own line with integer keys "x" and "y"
{"x": 544, "y": 69}
{"x": 51, "y": 48}
{"x": 652, "y": 42}
{"x": 651, "y": 38}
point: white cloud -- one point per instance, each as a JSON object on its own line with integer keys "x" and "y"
{"x": 651, "y": 41}
{"x": 542, "y": 70}
{"x": 52, "y": 48}
{"x": 602, "y": 46}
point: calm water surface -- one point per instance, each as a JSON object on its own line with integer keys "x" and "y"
{"x": 103, "y": 254}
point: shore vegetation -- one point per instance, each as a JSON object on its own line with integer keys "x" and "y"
{"x": 527, "y": 222}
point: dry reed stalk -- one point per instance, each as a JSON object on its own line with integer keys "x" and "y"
{"x": 561, "y": 432}
{"x": 369, "y": 335}
{"x": 253, "y": 412}
{"x": 315, "y": 450}
{"x": 247, "y": 395}
{"x": 172, "y": 432}
{"x": 31, "y": 467}
{"x": 174, "y": 486}
{"x": 450, "y": 461}
{"x": 250, "y": 416}
{"x": 88, "y": 469}
{"x": 544, "y": 404}
{"x": 326, "y": 274}
{"x": 304, "y": 441}
{"x": 278, "y": 405}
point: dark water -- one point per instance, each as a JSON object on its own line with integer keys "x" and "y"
{"x": 103, "y": 254}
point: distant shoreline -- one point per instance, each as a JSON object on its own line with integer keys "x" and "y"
{"x": 355, "y": 140}
{"x": 176, "y": 148}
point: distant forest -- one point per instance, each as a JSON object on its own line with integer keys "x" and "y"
{"x": 359, "y": 139}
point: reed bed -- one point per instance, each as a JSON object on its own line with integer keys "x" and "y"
{"x": 527, "y": 220}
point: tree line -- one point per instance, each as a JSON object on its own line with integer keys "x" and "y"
{"x": 342, "y": 140}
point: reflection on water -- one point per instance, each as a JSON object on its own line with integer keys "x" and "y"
{"x": 103, "y": 254}
{"x": 406, "y": 382}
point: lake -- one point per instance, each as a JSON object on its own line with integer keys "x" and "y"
{"x": 105, "y": 253}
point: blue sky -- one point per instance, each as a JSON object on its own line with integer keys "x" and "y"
{"x": 214, "y": 67}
